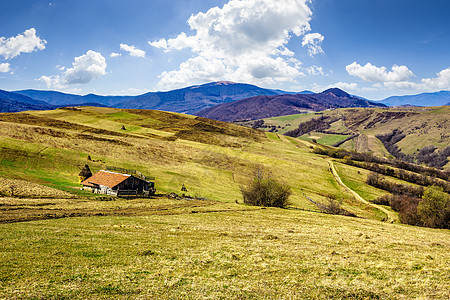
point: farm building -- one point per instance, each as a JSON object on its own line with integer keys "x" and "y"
{"x": 117, "y": 184}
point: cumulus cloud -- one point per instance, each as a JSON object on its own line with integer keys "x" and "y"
{"x": 112, "y": 55}
{"x": 132, "y": 50}
{"x": 442, "y": 81}
{"x": 85, "y": 68}
{"x": 22, "y": 43}
{"x": 373, "y": 73}
{"x": 241, "y": 41}
{"x": 313, "y": 41}
{"x": 397, "y": 77}
{"x": 5, "y": 67}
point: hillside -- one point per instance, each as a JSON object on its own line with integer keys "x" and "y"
{"x": 186, "y": 100}
{"x": 73, "y": 244}
{"x": 195, "y": 98}
{"x": 64, "y": 99}
{"x": 357, "y": 129}
{"x": 176, "y": 149}
{"x": 260, "y": 107}
{"x": 13, "y": 102}
{"x": 424, "y": 99}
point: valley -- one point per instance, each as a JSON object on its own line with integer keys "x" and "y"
{"x": 361, "y": 129}
{"x": 203, "y": 242}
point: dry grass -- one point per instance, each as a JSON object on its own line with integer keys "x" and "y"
{"x": 22, "y": 188}
{"x": 208, "y": 156}
{"x": 232, "y": 254}
{"x": 87, "y": 247}
{"x": 423, "y": 126}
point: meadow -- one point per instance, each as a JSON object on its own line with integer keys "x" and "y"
{"x": 222, "y": 251}
{"x": 58, "y": 242}
{"x": 423, "y": 126}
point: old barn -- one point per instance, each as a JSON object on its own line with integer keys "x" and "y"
{"x": 118, "y": 184}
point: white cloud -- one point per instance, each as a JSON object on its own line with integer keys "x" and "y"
{"x": 315, "y": 70}
{"x": 399, "y": 77}
{"x": 112, "y": 55}
{"x": 132, "y": 50}
{"x": 442, "y": 81}
{"x": 313, "y": 41}
{"x": 22, "y": 43}
{"x": 373, "y": 73}
{"x": 85, "y": 68}
{"x": 162, "y": 44}
{"x": 5, "y": 67}
{"x": 242, "y": 41}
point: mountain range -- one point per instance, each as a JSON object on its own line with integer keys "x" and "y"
{"x": 14, "y": 102}
{"x": 260, "y": 107}
{"x": 186, "y": 100}
{"x": 193, "y": 99}
{"x": 424, "y": 99}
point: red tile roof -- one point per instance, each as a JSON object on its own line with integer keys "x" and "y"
{"x": 106, "y": 178}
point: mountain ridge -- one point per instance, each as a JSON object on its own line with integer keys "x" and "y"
{"x": 191, "y": 99}
{"x": 423, "y": 99}
{"x": 260, "y": 107}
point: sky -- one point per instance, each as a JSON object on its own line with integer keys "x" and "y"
{"x": 373, "y": 49}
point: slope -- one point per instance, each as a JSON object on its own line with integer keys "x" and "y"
{"x": 271, "y": 106}
{"x": 169, "y": 248}
{"x": 424, "y": 99}
{"x": 187, "y": 100}
{"x": 195, "y": 98}
{"x": 213, "y": 159}
{"x": 361, "y": 129}
{"x": 64, "y": 99}
{"x": 14, "y": 102}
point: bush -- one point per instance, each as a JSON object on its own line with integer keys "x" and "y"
{"x": 265, "y": 191}
{"x": 334, "y": 206}
{"x": 378, "y": 181}
{"x": 434, "y": 209}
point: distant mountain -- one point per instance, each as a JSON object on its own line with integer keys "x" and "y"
{"x": 306, "y": 93}
{"x": 260, "y": 107}
{"x": 63, "y": 99}
{"x": 186, "y": 100}
{"x": 424, "y": 99}
{"x": 192, "y": 99}
{"x": 13, "y": 102}
{"x": 281, "y": 92}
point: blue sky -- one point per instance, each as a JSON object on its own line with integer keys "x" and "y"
{"x": 370, "y": 48}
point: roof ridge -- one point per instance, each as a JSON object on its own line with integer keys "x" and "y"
{"x": 106, "y": 171}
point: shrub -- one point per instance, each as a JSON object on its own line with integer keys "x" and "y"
{"x": 265, "y": 191}
{"x": 406, "y": 207}
{"x": 434, "y": 209}
{"x": 378, "y": 181}
{"x": 334, "y": 206}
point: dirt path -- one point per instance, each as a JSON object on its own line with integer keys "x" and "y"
{"x": 391, "y": 216}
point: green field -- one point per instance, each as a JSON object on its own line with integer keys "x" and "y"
{"x": 59, "y": 242}
{"x": 422, "y": 126}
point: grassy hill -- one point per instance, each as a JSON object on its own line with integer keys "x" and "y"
{"x": 213, "y": 159}
{"x": 78, "y": 245}
{"x": 421, "y": 126}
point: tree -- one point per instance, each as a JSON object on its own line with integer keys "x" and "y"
{"x": 266, "y": 191}
{"x": 84, "y": 173}
{"x": 434, "y": 209}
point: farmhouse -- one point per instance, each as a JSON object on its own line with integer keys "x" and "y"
{"x": 117, "y": 184}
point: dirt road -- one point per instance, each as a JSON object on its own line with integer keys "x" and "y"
{"x": 391, "y": 216}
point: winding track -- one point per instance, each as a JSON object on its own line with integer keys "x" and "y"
{"x": 391, "y": 216}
